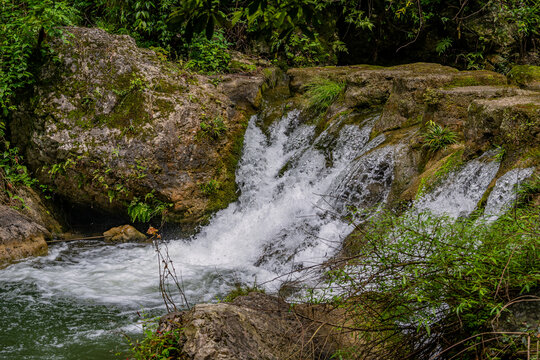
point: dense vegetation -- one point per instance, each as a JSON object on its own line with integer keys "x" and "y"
{"x": 437, "y": 284}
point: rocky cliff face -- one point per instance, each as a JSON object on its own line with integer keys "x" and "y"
{"x": 108, "y": 122}
{"x": 482, "y": 108}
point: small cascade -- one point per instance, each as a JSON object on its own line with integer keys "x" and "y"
{"x": 504, "y": 193}
{"x": 462, "y": 190}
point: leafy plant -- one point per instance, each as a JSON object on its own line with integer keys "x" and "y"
{"x": 147, "y": 209}
{"x": 443, "y": 45}
{"x": 210, "y": 188}
{"x": 209, "y": 56}
{"x": 321, "y": 93}
{"x": 438, "y": 279}
{"x": 155, "y": 344}
{"x": 213, "y": 128}
{"x": 23, "y": 27}
{"x": 437, "y": 137}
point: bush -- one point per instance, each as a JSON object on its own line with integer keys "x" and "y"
{"x": 209, "y": 56}
{"x": 321, "y": 93}
{"x": 438, "y": 280}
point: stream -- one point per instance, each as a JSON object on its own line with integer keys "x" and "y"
{"x": 80, "y": 300}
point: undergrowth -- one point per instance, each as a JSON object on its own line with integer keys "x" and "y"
{"x": 431, "y": 282}
{"x": 156, "y": 345}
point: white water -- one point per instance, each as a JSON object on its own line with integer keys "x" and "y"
{"x": 280, "y": 222}
{"x": 462, "y": 190}
{"x": 504, "y": 193}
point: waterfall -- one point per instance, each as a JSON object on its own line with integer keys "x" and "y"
{"x": 294, "y": 185}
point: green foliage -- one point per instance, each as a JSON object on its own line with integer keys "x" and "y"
{"x": 209, "y": 56}
{"x": 321, "y": 93}
{"x": 437, "y": 137}
{"x": 20, "y": 25}
{"x": 524, "y": 74}
{"x": 443, "y": 45}
{"x": 210, "y": 188}
{"x": 528, "y": 190}
{"x": 146, "y": 209}
{"x": 213, "y": 128}
{"x": 429, "y": 274}
{"x": 145, "y": 20}
{"x": 155, "y": 344}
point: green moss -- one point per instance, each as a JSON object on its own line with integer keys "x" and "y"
{"x": 476, "y": 78}
{"x": 241, "y": 291}
{"x": 524, "y": 74}
{"x": 227, "y": 191}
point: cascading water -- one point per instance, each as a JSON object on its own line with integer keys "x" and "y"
{"x": 74, "y": 300}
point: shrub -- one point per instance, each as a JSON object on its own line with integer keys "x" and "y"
{"x": 209, "y": 56}
{"x": 440, "y": 281}
{"x": 321, "y": 93}
{"x": 437, "y": 137}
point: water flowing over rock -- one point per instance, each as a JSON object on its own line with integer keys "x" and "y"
{"x": 462, "y": 190}
{"x": 112, "y": 122}
{"x": 504, "y": 193}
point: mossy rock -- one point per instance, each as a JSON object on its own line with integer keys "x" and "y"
{"x": 526, "y": 76}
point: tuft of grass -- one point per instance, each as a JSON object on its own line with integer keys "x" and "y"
{"x": 321, "y": 93}
{"x": 210, "y": 188}
{"x": 437, "y": 137}
{"x": 241, "y": 291}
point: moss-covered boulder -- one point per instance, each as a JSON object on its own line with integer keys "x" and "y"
{"x": 108, "y": 123}
{"x": 526, "y": 76}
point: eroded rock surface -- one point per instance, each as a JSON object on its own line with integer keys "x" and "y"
{"x": 124, "y": 233}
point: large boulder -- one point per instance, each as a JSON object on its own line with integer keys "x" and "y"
{"x": 256, "y": 326}
{"x": 107, "y": 122}
{"x": 20, "y": 236}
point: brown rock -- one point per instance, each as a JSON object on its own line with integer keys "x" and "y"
{"x": 110, "y": 121}
{"x": 124, "y": 233}
{"x": 256, "y": 326}
{"x": 20, "y": 236}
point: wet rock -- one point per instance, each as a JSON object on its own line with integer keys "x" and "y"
{"x": 124, "y": 233}
{"x": 20, "y": 236}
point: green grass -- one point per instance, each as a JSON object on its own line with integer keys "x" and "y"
{"x": 321, "y": 93}
{"x": 437, "y": 137}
